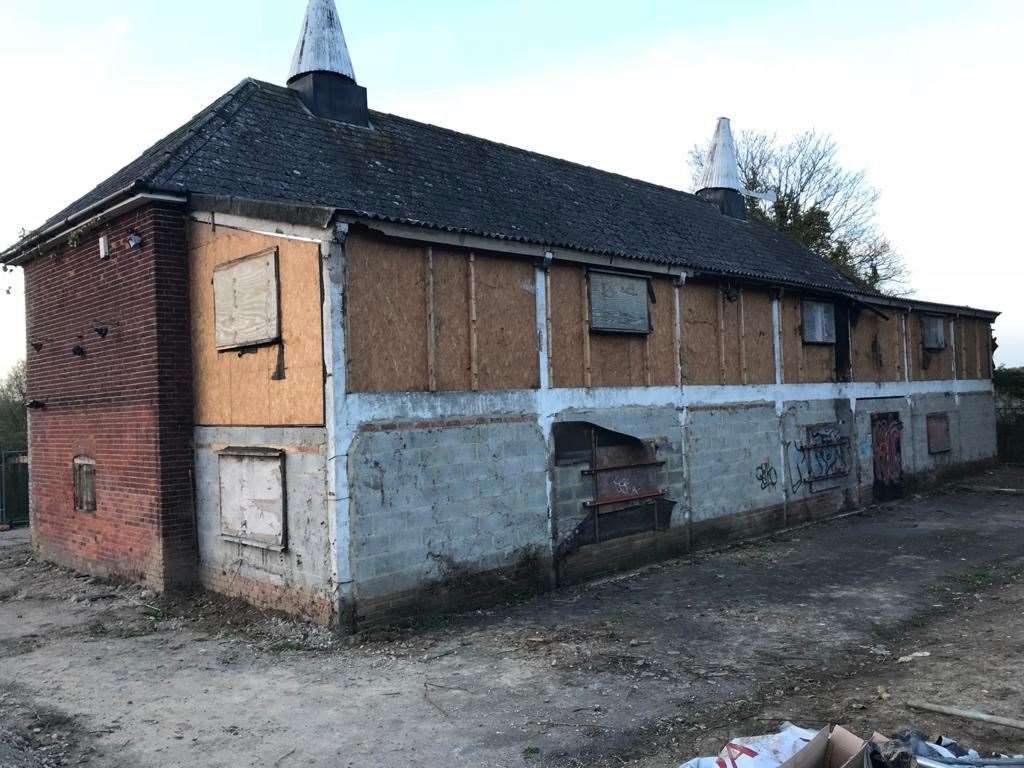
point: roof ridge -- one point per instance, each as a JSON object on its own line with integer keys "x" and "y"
{"x": 198, "y": 122}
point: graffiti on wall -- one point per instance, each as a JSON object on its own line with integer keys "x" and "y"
{"x": 886, "y": 434}
{"x": 767, "y": 476}
{"x": 826, "y": 452}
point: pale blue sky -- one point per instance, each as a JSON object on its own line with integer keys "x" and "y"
{"x": 924, "y": 95}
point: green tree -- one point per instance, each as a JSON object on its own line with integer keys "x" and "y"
{"x": 13, "y": 418}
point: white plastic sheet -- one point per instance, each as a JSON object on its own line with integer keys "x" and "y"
{"x": 768, "y": 751}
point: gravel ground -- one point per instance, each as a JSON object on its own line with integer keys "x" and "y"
{"x": 645, "y": 669}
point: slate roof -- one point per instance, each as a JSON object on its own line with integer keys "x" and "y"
{"x": 260, "y": 142}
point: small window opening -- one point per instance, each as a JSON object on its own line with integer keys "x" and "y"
{"x": 85, "y": 484}
{"x": 819, "y": 322}
{"x": 933, "y": 333}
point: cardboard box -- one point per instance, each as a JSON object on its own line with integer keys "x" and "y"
{"x": 837, "y": 748}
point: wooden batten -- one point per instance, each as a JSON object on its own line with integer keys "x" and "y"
{"x": 720, "y": 302}
{"x": 744, "y": 372}
{"x": 588, "y": 380}
{"x": 547, "y": 325}
{"x": 431, "y": 323}
{"x": 677, "y": 330}
{"x": 474, "y": 346}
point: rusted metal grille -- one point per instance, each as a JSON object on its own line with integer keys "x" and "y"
{"x": 826, "y": 453}
{"x": 85, "y": 484}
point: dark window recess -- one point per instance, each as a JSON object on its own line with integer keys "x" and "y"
{"x": 619, "y": 303}
{"x": 85, "y": 484}
{"x": 844, "y": 371}
{"x": 938, "y": 433}
{"x": 933, "y": 333}
{"x": 819, "y": 320}
{"x": 627, "y": 481}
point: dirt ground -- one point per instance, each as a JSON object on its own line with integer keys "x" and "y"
{"x": 647, "y": 669}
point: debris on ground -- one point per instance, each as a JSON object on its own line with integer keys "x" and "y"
{"x": 796, "y": 747}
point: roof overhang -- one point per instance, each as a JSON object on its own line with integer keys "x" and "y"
{"x": 133, "y": 196}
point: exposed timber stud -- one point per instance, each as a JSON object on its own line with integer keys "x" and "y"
{"x": 677, "y": 298}
{"x": 744, "y": 373}
{"x": 906, "y": 345}
{"x": 721, "y": 335}
{"x": 431, "y": 323}
{"x": 800, "y": 345}
{"x": 977, "y": 350}
{"x": 585, "y": 303}
{"x": 547, "y": 319}
{"x": 474, "y": 361}
{"x": 777, "y": 337}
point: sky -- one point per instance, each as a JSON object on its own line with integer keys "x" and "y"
{"x": 924, "y": 96}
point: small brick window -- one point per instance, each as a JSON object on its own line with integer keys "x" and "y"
{"x": 85, "y": 484}
{"x": 819, "y": 322}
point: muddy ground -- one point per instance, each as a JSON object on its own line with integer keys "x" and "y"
{"x": 646, "y": 669}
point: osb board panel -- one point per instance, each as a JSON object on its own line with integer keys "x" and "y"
{"x": 803, "y": 363}
{"x": 731, "y": 336}
{"x": 386, "y": 315}
{"x": 617, "y": 360}
{"x": 914, "y": 349}
{"x": 662, "y": 350}
{"x": 451, "y": 320}
{"x": 974, "y": 344}
{"x": 506, "y": 324}
{"x": 759, "y": 341}
{"x": 877, "y": 348}
{"x": 565, "y": 303}
{"x": 700, "y": 334}
{"x": 935, "y": 365}
{"x": 234, "y": 390}
{"x": 819, "y": 363}
{"x": 792, "y": 339}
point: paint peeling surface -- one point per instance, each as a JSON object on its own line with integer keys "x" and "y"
{"x": 252, "y": 509}
{"x": 322, "y": 46}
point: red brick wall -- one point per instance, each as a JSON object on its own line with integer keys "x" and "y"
{"x": 127, "y": 404}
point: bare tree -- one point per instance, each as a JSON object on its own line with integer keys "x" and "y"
{"x": 831, "y": 210}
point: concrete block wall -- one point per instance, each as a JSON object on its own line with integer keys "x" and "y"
{"x": 977, "y": 427}
{"x": 727, "y": 449}
{"x": 446, "y": 513}
{"x": 298, "y": 580}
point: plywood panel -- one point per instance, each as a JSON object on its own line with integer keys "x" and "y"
{"x": 507, "y": 324}
{"x": 274, "y": 385}
{"x": 700, "y": 334}
{"x": 451, "y": 318}
{"x": 758, "y": 333}
{"x": 566, "y": 308}
{"x": 387, "y": 315}
{"x": 792, "y": 339}
{"x": 928, "y": 365}
{"x": 871, "y": 355}
{"x": 986, "y": 349}
{"x": 819, "y": 363}
{"x": 617, "y": 360}
{"x": 662, "y": 350}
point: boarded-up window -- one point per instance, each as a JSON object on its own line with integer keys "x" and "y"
{"x": 933, "y": 332}
{"x": 619, "y": 304}
{"x": 819, "y": 323}
{"x": 85, "y": 484}
{"x": 252, "y": 497}
{"x": 245, "y": 301}
{"x": 938, "y": 433}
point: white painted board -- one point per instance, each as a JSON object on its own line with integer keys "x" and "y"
{"x": 245, "y": 297}
{"x": 252, "y": 497}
